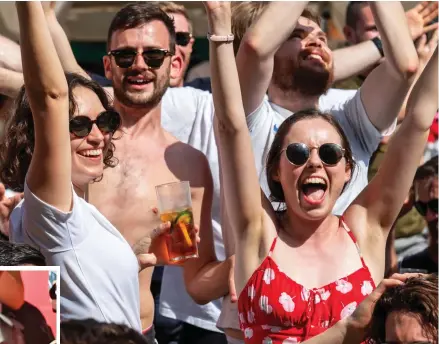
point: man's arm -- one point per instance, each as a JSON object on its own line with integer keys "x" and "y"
{"x": 61, "y": 42}
{"x": 258, "y": 47}
{"x": 206, "y": 278}
{"x": 10, "y": 82}
{"x": 353, "y": 60}
{"x": 386, "y": 87}
{"x": 366, "y": 53}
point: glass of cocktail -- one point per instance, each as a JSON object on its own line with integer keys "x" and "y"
{"x": 175, "y": 206}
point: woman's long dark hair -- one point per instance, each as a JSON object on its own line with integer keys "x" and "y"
{"x": 273, "y": 158}
{"x": 18, "y": 142}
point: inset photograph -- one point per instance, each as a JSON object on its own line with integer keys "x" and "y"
{"x": 29, "y": 305}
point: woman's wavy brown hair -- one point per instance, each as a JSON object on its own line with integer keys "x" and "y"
{"x": 417, "y": 296}
{"x": 273, "y": 157}
{"x": 18, "y": 142}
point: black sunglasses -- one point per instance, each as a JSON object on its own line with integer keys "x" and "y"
{"x": 298, "y": 153}
{"x": 183, "y": 38}
{"x": 154, "y": 58}
{"x": 107, "y": 122}
{"x": 422, "y": 207}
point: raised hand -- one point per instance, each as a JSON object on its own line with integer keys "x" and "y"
{"x": 7, "y": 204}
{"x": 426, "y": 49}
{"x": 420, "y": 16}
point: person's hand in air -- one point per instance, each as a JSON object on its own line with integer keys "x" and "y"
{"x": 420, "y": 17}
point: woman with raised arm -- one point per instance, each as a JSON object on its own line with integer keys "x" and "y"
{"x": 58, "y": 142}
{"x": 300, "y": 270}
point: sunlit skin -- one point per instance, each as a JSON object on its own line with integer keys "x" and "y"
{"x": 312, "y": 132}
{"x": 404, "y": 328}
{"x": 182, "y": 25}
{"x": 86, "y": 169}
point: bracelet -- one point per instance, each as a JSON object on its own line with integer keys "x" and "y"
{"x": 378, "y": 44}
{"x": 215, "y": 38}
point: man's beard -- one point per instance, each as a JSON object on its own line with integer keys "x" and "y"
{"x": 292, "y": 75}
{"x": 142, "y": 99}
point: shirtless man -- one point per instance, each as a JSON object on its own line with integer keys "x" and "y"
{"x": 148, "y": 155}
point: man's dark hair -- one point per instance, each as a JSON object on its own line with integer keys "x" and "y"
{"x": 19, "y": 254}
{"x": 428, "y": 169}
{"x": 89, "y": 331}
{"x": 418, "y": 296}
{"x": 352, "y": 12}
{"x": 138, "y": 14}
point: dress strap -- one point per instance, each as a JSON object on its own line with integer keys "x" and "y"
{"x": 272, "y": 247}
{"x": 354, "y": 239}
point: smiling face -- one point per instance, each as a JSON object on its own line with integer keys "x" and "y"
{"x": 304, "y": 62}
{"x": 139, "y": 85}
{"x": 88, "y": 152}
{"x": 184, "y": 52}
{"x": 312, "y": 189}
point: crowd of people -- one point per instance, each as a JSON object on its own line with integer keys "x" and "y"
{"x": 305, "y": 165}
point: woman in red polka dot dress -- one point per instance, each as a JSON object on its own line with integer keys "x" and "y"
{"x": 301, "y": 270}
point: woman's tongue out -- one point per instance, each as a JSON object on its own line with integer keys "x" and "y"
{"x": 314, "y": 191}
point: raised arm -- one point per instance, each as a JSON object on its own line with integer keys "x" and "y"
{"x": 395, "y": 75}
{"x": 49, "y": 175}
{"x": 258, "y": 47}
{"x": 61, "y": 42}
{"x": 366, "y": 53}
{"x": 239, "y": 177}
{"x": 385, "y": 194}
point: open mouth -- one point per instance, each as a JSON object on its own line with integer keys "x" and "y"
{"x": 91, "y": 153}
{"x": 138, "y": 81}
{"x": 314, "y": 190}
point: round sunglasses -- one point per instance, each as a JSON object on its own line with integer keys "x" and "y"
{"x": 107, "y": 121}
{"x": 182, "y": 38}
{"x": 422, "y": 207}
{"x": 298, "y": 153}
{"x": 154, "y": 58}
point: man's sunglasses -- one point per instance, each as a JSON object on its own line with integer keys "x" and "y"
{"x": 154, "y": 58}
{"x": 107, "y": 122}
{"x": 422, "y": 207}
{"x": 183, "y": 38}
{"x": 298, "y": 153}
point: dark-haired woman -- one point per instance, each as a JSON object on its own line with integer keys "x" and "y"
{"x": 59, "y": 141}
{"x": 300, "y": 271}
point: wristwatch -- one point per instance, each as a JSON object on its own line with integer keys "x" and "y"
{"x": 378, "y": 44}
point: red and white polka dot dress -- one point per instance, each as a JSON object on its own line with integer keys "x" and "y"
{"x": 275, "y": 309}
